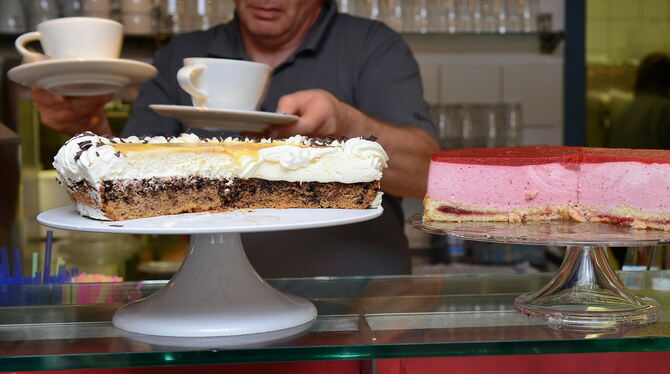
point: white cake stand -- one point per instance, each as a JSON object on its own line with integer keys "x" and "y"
{"x": 216, "y": 292}
{"x": 585, "y": 293}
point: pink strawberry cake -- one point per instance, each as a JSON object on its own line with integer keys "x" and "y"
{"x": 621, "y": 186}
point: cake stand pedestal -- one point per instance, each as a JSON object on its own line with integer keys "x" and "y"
{"x": 585, "y": 293}
{"x": 216, "y": 292}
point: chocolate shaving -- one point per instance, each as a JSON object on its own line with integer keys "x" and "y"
{"x": 97, "y": 154}
{"x": 86, "y": 144}
{"x": 326, "y": 141}
{"x": 77, "y": 155}
{"x": 117, "y": 154}
{"x": 99, "y": 144}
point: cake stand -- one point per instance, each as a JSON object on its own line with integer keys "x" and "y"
{"x": 216, "y": 292}
{"x": 585, "y": 293}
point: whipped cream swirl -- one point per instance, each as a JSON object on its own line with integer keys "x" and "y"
{"x": 95, "y": 158}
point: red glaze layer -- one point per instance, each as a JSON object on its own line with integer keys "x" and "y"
{"x": 520, "y": 156}
{"x": 462, "y": 212}
{"x": 629, "y": 220}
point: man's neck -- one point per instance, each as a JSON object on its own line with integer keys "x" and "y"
{"x": 274, "y": 51}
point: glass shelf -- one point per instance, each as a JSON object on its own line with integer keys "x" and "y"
{"x": 47, "y": 327}
{"x": 147, "y": 44}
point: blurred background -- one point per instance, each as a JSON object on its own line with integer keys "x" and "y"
{"x": 496, "y": 73}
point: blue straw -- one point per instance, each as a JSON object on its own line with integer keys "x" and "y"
{"x": 18, "y": 265}
{"x": 4, "y": 267}
{"x": 47, "y": 257}
{"x": 60, "y": 278}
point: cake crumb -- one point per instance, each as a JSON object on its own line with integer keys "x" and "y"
{"x": 577, "y": 214}
{"x": 530, "y": 195}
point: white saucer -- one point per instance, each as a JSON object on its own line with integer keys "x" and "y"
{"x": 82, "y": 77}
{"x": 223, "y": 119}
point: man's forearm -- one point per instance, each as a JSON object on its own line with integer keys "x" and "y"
{"x": 409, "y": 150}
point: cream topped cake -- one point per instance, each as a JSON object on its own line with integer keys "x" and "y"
{"x": 127, "y": 178}
{"x": 623, "y": 186}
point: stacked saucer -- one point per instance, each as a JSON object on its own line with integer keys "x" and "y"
{"x": 80, "y": 58}
{"x": 223, "y": 119}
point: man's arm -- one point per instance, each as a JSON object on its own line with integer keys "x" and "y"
{"x": 409, "y": 148}
{"x": 388, "y": 103}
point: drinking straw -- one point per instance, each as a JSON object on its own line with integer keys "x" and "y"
{"x": 18, "y": 266}
{"x": 103, "y": 293}
{"x": 61, "y": 271}
{"x": 60, "y": 274}
{"x": 73, "y": 294}
{"x": 4, "y": 267}
{"x": 33, "y": 272}
{"x": 47, "y": 257}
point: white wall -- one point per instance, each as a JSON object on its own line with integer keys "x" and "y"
{"x": 498, "y": 68}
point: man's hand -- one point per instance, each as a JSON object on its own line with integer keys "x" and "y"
{"x": 321, "y": 114}
{"x": 72, "y": 115}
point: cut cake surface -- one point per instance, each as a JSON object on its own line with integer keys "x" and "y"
{"x": 118, "y": 179}
{"x": 620, "y": 186}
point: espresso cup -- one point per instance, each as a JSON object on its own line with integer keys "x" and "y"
{"x": 73, "y": 37}
{"x": 216, "y": 83}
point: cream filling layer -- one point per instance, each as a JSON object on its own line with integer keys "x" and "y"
{"x": 94, "y": 158}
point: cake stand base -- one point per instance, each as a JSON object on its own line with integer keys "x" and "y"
{"x": 215, "y": 293}
{"x": 585, "y": 293}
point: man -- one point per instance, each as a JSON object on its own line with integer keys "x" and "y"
{"x": 341, "y": 75}
{"x": 644, "y": 122}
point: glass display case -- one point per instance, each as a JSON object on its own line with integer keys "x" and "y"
{"x": 359, "y": 318}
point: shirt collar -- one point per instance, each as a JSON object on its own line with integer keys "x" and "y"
{"x": 228, "y": 43}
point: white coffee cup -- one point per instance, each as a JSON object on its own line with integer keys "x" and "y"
{"x": 73, "y": 37}
{"x": 216, "y": 83}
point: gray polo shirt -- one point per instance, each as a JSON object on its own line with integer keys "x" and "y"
{"x": 361, "y": 62}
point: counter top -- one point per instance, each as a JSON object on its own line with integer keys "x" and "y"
{"x": 69, "y": 326}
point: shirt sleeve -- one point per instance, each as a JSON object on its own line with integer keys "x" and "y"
{"x": 389, "y": 85}
{"x": 162, "y": 89}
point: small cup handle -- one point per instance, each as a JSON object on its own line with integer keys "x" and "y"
{"x": 24, "y": 39}
{"x": 184, "y": 77}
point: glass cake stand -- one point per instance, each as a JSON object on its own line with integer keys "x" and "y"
{"x": 585, "y": 292}
{"x": 216, "y": 292}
